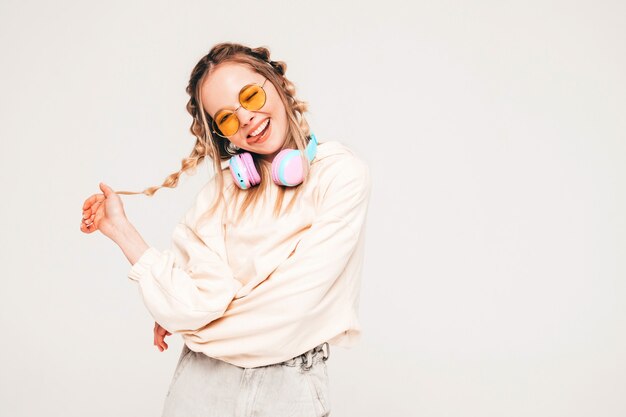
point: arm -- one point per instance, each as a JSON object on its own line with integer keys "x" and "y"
{"x": 130, "y": 241}
{"x": 190, "y": 284}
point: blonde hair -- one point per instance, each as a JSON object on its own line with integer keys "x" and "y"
{"x": 214, "y": 146}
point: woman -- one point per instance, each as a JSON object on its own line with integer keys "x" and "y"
{"x": 264, "y": 270}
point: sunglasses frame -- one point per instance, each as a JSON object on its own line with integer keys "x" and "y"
{"x": 216, "y": 129}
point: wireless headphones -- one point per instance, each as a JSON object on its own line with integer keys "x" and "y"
{"x": 287, "y": 168}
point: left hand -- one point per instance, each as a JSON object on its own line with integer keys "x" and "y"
{"x": 104, "y": 212}
{"x": 159, "y": 337}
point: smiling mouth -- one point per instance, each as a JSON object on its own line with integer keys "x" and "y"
{"x": 254, "y": 139}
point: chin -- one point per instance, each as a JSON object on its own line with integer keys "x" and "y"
{"x": 271, "y": 147}
{"x": 273, "y": 143}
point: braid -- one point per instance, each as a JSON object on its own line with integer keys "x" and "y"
{"x": 279, "y": 66}
{"x": 214, "y": 147}
{"x": 263, "y": 54}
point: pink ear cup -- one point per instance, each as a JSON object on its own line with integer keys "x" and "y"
{"x": 287, "y": 168}
{"x": 253, "y": 175}
{"x": 249, "y": 173}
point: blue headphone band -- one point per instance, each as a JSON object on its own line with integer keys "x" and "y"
{"x": 311, "y": 148}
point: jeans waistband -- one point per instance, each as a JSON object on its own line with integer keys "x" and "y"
{"x": 306, "y": 359}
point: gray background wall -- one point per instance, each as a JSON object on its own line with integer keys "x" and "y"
{"x": 494, "y": 273}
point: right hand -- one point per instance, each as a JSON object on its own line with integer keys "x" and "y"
{"x": 104, "y": 212}
{"x": 159, "y": 337}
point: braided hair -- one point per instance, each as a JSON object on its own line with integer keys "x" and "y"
{"x": 214, "y": 146}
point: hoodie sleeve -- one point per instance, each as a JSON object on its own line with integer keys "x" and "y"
{"x": 190, "y": 284}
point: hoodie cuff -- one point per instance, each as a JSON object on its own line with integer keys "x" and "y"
{"x": 144, "y": 263}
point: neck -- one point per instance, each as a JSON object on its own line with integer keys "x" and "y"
{"x": 268, "y": 157}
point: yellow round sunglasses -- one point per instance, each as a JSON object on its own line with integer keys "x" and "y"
{"x": 251, "y": 97}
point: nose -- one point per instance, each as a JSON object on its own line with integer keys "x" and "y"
{"x": 245, "y": 116}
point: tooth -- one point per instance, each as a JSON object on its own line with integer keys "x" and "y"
{"x": 260, "y": 128}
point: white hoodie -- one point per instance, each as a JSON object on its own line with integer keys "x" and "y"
{"x": 266, "y": 289}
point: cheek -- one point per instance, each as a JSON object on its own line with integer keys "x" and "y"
{"x": 276, "y": 108}
{"x": 280, "y": 115}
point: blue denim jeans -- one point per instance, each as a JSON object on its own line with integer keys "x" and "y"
{"x": 205, "y": 387}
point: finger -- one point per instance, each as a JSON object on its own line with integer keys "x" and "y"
{"x": 92, "y": 199}
{"x": 88, "y": 225}
{"x": 168, "y": 333}
{"x": 88, "y": 228}
{"x": 89, "y": 201}
{"x": 88, "y": 220}
{"x": 91, "y": 210}
{"x": 160, "y": 344}
{"x": 94, "y": 209}
{"x": 96, "y": 204}
{"x": 108, "y": 191}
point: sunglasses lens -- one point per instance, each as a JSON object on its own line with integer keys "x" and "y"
{"x": 227, "y": 122}
{"x": 252, "y": 97}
